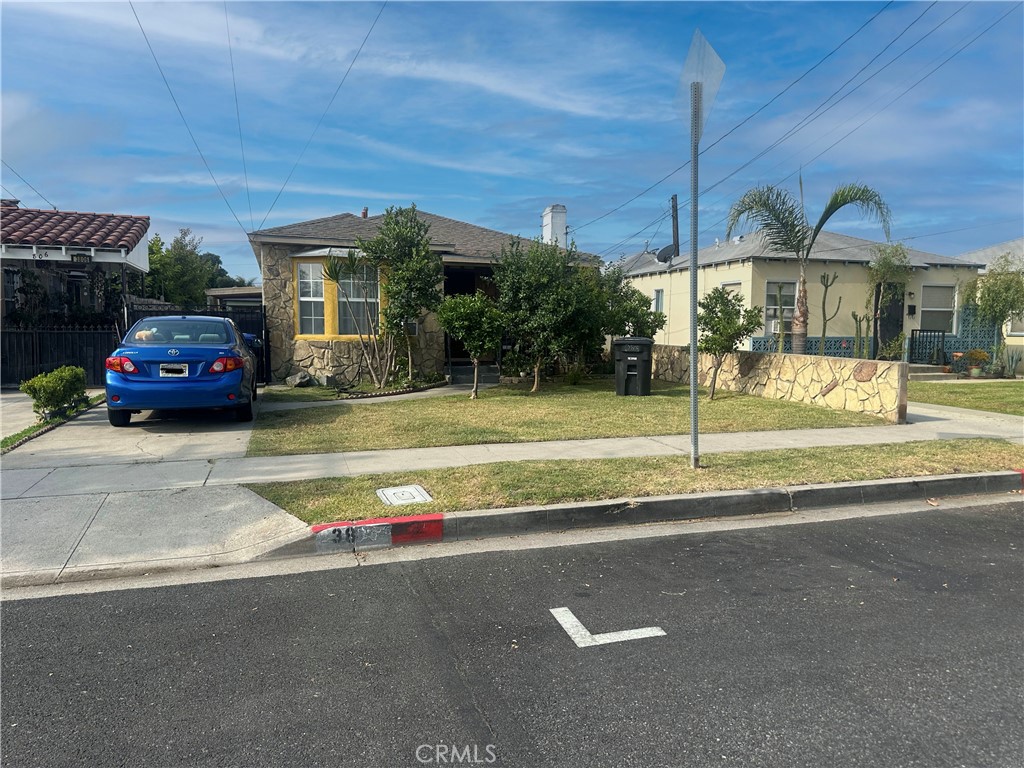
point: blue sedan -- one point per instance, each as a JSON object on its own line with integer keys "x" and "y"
{"x": 182, "y": 361}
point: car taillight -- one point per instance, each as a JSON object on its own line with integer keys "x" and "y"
{"x": 226, "y": 364}
{"x": 121, "y": 365}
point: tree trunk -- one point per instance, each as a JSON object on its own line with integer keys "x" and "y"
{"x": 714, "y": 377}
{"x": 476, "y": 378}
{"x": 408, "y": 353}
{"x": 799, "y": 335}
{"x": 536, "y": 377}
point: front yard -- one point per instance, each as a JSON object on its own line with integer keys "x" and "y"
{"x": 509, "y": 414}
{"x": 1004, "y": 396}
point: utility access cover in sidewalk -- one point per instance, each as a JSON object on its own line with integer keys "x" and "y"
{"x": 403, "y": 494}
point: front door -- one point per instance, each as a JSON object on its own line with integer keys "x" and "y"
{"x": 889, "y": 323}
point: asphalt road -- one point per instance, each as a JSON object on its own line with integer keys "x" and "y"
{"x": 883, "y": 641}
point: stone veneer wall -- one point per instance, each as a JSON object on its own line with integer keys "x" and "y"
{"x": 324, "y": 359}
{"x": 864, "y": 386}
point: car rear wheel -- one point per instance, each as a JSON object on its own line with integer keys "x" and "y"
{"x": 244, "y": 412}
{"x": 119, "y": 418}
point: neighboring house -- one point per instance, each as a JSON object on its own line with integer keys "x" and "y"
{"x": 234, "y": 297}
{"x": 1013, "y": 330}
{"x": 60, "y": 261}
{"x": 931, "y": 302}
{"x": 310, "y": 330}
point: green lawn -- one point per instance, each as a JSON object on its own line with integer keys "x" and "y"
{"x": 998, "y": 396}
{"x": 509, "y": 414}
{"x": 492, "y": 486}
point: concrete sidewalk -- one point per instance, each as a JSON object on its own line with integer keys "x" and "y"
{"x": 104, "y": 508}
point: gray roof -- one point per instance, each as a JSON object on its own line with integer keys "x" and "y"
{"x": 830, "y": 247}
{"x": 989, "y": 253}
{"x": 456, "y": 240}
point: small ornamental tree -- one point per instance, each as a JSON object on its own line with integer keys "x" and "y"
{"x": 723, "y": 323}
{"x": 477, "y": 322}
{"x": 629, "y": 310}
{"x": 999, "y": 293}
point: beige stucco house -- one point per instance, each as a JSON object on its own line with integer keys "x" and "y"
{"x": 932, "y": 300}
{"x": 1013, "y": 331}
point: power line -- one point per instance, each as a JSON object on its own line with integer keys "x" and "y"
{"x": 29, "y": 185}
{"x": 238, "y": 114}
{"x": 740, "y": 124}
{"x": 182, "y": 115}
{"x": 326, "y": 110}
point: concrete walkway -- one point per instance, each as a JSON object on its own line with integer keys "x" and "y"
{"x": 89, "y": 500}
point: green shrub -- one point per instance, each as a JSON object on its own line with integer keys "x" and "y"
{"x": 57, "y": 392}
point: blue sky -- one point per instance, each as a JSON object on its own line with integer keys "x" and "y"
{"x": 488, "y": 112}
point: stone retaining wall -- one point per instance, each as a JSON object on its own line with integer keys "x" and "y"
{"x": 864, "y": 386}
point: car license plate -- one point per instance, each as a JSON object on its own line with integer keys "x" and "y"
{"x": 173, "y": 370}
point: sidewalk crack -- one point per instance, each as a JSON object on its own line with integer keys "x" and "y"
{"x": 85, "y": 530}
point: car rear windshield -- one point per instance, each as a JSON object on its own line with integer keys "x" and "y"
{"x": 179, "y": 331}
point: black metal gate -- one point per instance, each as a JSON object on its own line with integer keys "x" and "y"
{"x": 25, "y": 353}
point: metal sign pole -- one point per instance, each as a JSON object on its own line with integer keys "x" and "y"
{"x": 695, "y": 127}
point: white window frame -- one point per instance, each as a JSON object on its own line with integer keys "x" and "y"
{"x": 771, "y": 312}
{"x": 310, "y": 281}
{"x": 733, "y": 286}
{"x": 658, "y": 302}
{"x": 1016, "y": 325}
{"x": 353, "y": 289}
{"x": 923, "y": 308}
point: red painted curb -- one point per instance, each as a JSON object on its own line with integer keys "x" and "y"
{"x": 413, "y": 529}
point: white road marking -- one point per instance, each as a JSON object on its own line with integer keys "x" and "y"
{"x": 583, "y": 639}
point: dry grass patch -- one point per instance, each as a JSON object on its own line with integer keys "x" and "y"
{"x": 511, "y": 484}
{"x": 509, "y": 414}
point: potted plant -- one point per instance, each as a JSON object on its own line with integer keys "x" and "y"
{"x": 975, "y": 359}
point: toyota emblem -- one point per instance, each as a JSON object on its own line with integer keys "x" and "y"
{"x": 172, "y": 352}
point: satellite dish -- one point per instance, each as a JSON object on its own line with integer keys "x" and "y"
{"x": 665, "y": 254}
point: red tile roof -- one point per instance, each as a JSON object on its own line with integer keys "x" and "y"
{"x": 32, "y": 226}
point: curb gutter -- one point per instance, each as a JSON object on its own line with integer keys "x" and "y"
{"x": 384, "y": 533}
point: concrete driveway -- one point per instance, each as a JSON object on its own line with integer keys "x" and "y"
{"x": 152, "y": 436}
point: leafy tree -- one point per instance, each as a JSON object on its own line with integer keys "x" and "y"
{"x": 888, "y": 273}
{"x": 539, "y": 293}
{"x": 477, "y": 322}
{"x": 628, "y": 308}
{"x": 783, "y": 223}
{"x": 411, "y": 274}
{"x": 219, "y": 277}
{"x": 999, "y": 293}
{"x": 179, "y": 274}
{"x": 723, "y": 323}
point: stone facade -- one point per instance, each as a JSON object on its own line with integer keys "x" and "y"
{"x": 326, "y": 360}
{"x": 865, "y": 386}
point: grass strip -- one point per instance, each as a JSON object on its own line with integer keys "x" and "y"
{"x": 11, "y": 442}
{"x": 510, "y": 414}
{"x": 996, "y": 396}
{"x": 512, "y": 484}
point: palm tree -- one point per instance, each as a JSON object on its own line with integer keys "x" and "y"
{"x": 782, "y": 221}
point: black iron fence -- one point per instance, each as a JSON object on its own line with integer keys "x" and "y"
{"x": 927, "y": 347}
{"x": 27, "y": 353}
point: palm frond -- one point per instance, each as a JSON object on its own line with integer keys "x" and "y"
{"x": 868, "y": 201}
{"x": 776, "y": 214}
{"x": 339, "y": 268}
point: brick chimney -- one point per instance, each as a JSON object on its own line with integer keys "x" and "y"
{"x": 366, "y": 211}
{"x": 553, "y": 225}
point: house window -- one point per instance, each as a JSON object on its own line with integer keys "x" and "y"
{"x": 774, "y": 310}
{"x": 938, "y": 304}
{"x": 1017, "y": 324}
{"x": 658, "y": 305}
{"x": 12, "y": 281}
{"x": 359, "y": 303}
{"x": 311, "y": 299}
{"x": 732, "y": 287}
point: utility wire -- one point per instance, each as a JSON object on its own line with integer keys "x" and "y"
{"x": 182, "y": 115}
{"x": 5, "y": 189}
{"x": 326, "y": 110}
{"x": 29, "y": 185}
{"x": 238, "y": 114}
{"x": 740, "y": 124}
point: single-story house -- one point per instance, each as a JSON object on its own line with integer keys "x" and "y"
{"x": 234, "y": 297}
{"x": 1013, "y": 331}
{"x": 309, "y": 331}
{"x": 932, "y": 301}
{"x": 62, "y": 260}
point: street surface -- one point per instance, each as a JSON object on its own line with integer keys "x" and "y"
{"x": 882, "y": 641}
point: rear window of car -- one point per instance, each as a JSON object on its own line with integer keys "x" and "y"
{"x": 180, "y": 331}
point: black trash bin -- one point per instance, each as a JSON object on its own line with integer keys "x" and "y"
{"x": 632, "y": 365}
